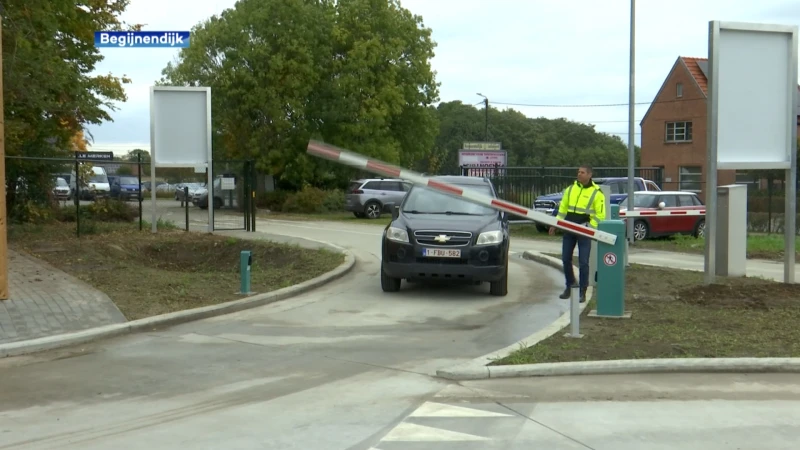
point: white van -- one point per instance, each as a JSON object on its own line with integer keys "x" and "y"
{"x": 98, "y": 186}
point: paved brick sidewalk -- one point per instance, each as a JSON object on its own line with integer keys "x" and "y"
{"x": 45, "y": 301}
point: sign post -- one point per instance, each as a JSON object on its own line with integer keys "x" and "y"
{"x": 749, "y": 128}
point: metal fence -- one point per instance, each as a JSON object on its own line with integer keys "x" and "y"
{"x": 522, "y": 185}
{"x": 234, "y": 199}
{"x": 57, "y": 182}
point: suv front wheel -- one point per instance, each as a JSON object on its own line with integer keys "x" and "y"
{"x": 500, "y": 287}
{"x": 389, "y": 284}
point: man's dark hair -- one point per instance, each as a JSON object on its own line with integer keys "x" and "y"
{"x": 587, "y": 167}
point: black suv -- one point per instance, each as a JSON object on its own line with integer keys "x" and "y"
{"x": 435, "y": 236}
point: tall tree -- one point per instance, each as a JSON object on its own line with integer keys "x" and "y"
{"x": 355, "y": 73}
{"x": 49, "y": 90}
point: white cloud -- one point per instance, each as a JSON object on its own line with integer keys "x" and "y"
{"x": 513, "y": 51}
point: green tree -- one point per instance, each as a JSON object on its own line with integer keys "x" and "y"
{"x": 49, "y": 90}
{"x": 354, "y": 73}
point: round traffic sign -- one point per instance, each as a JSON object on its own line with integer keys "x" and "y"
{"x": 610, "y": 259}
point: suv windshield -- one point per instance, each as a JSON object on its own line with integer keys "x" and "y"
{"x": 423, "y": 200}
{"x": 640, "y": 200}
{"x": 61, "y": 182}
{"x": 128, "y": 180}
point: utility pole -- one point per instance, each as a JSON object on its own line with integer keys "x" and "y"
{"x": 631, "y": 119}
{"x": 3, "y": 218}
{"x": 486, "y": 120}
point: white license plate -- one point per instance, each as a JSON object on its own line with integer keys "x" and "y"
{"x": 442, "y": 252}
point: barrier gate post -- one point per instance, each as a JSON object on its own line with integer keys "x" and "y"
{"x": 611, "y": 272}
{"x": 614, "y": 215}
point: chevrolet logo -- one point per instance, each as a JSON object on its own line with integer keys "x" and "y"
{"x": 442, "y": 238}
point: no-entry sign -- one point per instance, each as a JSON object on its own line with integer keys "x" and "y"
{"x": 610, "y": 259}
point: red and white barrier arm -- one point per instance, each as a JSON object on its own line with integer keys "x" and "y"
{"x": 651, "y": 213}
{"x": 332, "y": 153}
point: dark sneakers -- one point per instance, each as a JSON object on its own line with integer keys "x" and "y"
{"x": 567, "y": 292}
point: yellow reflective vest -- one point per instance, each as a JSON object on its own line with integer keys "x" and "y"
{"x": 579, "y": 200}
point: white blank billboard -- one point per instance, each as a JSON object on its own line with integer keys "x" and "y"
{"x": 180, "y": 126}
{"x": 752, "y": 98}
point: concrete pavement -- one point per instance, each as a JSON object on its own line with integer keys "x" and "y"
{"x": 335, "y": 368}
{"x": 702, "y": 412}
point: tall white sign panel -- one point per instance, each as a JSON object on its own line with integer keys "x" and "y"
{"x": 752, "y": 116}
{"x": 180, "y": 134}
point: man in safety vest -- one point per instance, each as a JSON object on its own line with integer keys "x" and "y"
{"x": 583, "y": 203}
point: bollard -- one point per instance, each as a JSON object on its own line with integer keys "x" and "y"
{"x": 574, "y": 313}
{"x": 245, "y": 261}
{"x": 186, "y": 199}
{"x": 611, "y": 273}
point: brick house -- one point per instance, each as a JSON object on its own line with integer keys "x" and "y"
{"x": 674, "y": 129}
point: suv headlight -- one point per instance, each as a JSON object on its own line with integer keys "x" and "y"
{"x": 490, "y": 237}
{"x": 397, "y": 234}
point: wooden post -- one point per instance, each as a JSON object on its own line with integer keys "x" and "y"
{"x": 3, "y": 218}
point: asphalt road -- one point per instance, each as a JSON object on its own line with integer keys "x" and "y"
{"x": 337, "y": 368}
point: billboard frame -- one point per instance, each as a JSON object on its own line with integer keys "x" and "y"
{"x": 716, "y": 32}
{"x": 154, "y": 147}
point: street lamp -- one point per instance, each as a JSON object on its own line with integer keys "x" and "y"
{"x": 486, "y": 120}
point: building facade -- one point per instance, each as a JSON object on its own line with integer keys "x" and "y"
{"x": 674, "y": 130}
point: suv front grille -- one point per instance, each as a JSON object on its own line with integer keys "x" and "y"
{"x": 453, "y": 238}
{"x": 544, "y": 204}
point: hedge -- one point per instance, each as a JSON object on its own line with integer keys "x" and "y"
{"x": 309, "y": 200}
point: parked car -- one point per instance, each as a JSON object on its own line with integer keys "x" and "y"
{"x": 548, "y": 204}
{"x": 366, "y": 197}
{"x": 61, "y": 190}
{"x": 435, "y": 236}
{"x": 200, "y": 196}
{"x": 126, "y": 188}
{"x": 193, "y": 188}
{"x": 666, "y": 225}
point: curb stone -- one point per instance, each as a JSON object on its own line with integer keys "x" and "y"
{"x": 178, "y": 317}
{"x": 478, "y": 368}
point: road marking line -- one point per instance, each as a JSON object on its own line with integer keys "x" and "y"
{"x": 411, "y": 432}
{"x": 429, "y": 409}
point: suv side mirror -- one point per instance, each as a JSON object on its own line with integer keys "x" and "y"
{"x": 388, "y": 207}
{"x": 395, "y": 212}
{"x": 662, "y": 205}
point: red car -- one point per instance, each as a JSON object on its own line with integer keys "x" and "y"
{"x": 666, "y": 213}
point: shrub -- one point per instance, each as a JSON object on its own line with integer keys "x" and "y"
{"x": 308, "y": 201}
{"x": 105, "y": 210}
{"x": 333, "y": 201}
{"x": 272, "y": 201}
{"x": 31, "y": 212}
{"x": 760, "y": 223}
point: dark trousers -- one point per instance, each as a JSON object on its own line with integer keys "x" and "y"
{"x": 567, "y": 249}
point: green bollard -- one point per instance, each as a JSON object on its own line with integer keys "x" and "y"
{"x": 245, "y": 261}
{"x": 614, "y": 212}
{"x": 611, "y": 272}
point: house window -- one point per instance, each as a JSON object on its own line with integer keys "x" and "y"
{"x": 689, "y": 178}
{"x": 679, "y": 90}
{"x": 679, "y": 132}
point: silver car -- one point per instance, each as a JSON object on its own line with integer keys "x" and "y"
{"x": 366, "y": 197}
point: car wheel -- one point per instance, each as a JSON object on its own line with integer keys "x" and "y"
{"x": 389, "y": 284}
{"x": 500, "y": 287}
{"x": 700, "y": 229}
{"x": 640, "y": 230}
{"x": 542, "y": 228}
{"x": 372, "y": 210}
{"x": 217, "y": 203}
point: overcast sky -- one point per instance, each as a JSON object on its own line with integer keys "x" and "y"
{"x": 538, "y": 52}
